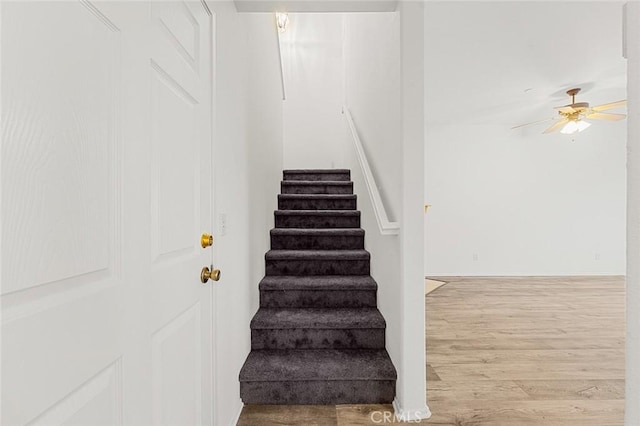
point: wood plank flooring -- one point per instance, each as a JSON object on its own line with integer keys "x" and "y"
{"x": 507, "y": 351}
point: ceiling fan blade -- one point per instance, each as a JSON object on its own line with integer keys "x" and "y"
{"x": 533, "y": 122}
{"x": 605, "y": 116}
{"x": 557, "y": 125}
{"x": 610, "y": 105}
{"x": 567, "y": 109}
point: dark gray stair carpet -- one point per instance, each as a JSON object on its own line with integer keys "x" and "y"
{"x": 315, "y": 187}
{"x": 318, "y": 175}
{"x": 318, "y": 376}
{"x": 317, "y": 262}
{"x": 323, "y": 318}
{"x": 317, "y": 337}
{"x": 351, "y": 291}
{"x": 317, "y": 202}
{"x": 317, "y": 219}
{"x": 317, "y": 239}
{"x": 328, "y": 328}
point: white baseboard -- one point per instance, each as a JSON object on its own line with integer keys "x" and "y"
{"x": 409, "y": 415}
{"x": 237, "y": 416}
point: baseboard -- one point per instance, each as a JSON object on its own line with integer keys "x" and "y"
{"x": 237, "y": 416}
{"x": 412, "y": 415}
{"x": 454, "y": 277}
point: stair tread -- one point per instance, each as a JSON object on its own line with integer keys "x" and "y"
{"x": 318, "y": 282}
{"x": 317, "y": 182}
{"x": 317, "y": 364}
{"x": 319, "y": 196}
{"x": 316, "y": 212}
{"x": 316, "y": 171}
{"x": 318, "y": 231}
{"x": 317, "y": 255}
{"x": 317, "y": 318}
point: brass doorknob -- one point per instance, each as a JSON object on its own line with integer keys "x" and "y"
{"x": 206, "y": 240}
{"x": 207, "y": 274}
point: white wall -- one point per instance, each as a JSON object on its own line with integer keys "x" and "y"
{"x": 331, "y": 60}
{"x": 520, "y": 202}
{"x": 384, "y": 92}
{"x": 357, "y": 60}
{"x": 313, "y": 70}
{"x": 514, "y": 202}
{"x": 265, "y": 138}
{"x": 364, "y": 53}
{"x": 373, "y": 89}
{"x": 247, "y": 164}
{"x": 412, "y": 394}
{"x": 632, "y": 382}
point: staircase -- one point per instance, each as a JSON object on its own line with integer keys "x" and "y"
{"x": 317, "y": 337}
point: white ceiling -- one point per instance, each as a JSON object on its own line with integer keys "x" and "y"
{"x": 511, "y": 62}
{"x": 306, "y": 6}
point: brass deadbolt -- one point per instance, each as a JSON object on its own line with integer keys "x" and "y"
{"x": 206, "y": 240}
{"x": 206, "y": 275}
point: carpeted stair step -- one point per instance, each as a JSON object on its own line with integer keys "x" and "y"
{"x": 317, "y": 202}
{"x": 318, "y": 376}
{"x": 313, "y": 219}
{"x": 333, "y": 328}
{"x": 347, "y": 291}
{"x": 317, "y": 239}
{"x": 316, "y": 187}
{"x": 317, "y": 262}
{"x": 318, "y": 175}
{"x": 318, "y": 337}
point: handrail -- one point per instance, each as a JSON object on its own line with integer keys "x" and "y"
{"x": 384, "y": 225}
{"x": 284, "y": 98}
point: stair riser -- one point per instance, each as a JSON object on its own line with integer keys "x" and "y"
{"x": 320, "y": 204}
{"x": 316, "y": 222}
{"x": 317, "y": 189}
{"x": 340, "y": 176}
{"x": 317, "y": 267}
{"x": 317, "y": 299}
{"x": 317, "y": 242}
{"x": 331, "y": 392}
{"x": 361, "y": 338}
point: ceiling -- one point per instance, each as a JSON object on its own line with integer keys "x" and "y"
{"x": 511, "y": 62}
{"x": 307, "y": 6}
{"x": 504, "y": 62}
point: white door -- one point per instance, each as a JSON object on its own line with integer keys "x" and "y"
{"x": 180, "y": 121}
{"x": 106, "y": 189}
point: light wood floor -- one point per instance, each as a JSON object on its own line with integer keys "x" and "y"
{"x": 507, "y": 351}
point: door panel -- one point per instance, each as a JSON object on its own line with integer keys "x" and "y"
{"x": 60, "y": 147}
{"x": 106, "y": 188}
{"x": 168, "y": 346}
{"x": 97, "y": 402}
{"x": 175, "y": 208}
{"x": 181, "y": 136}
{"x": 182, "y": 30}
{"x": 60, "y": 188}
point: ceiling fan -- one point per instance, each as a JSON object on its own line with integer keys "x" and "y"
{"x": 571, "y": 118}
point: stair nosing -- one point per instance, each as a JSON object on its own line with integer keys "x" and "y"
{"x": 319, "y": 315}
{"x": 322, "y": 283}
{"x": 317, "y": 182}
{"x": 316, "y": 171}
{"x": 320, "y": 196}
{"x": 319, "y": 212}
{"x": 313, "y": 254}
{"x": 324, "y": 354}
{"x": 319, "y": 231}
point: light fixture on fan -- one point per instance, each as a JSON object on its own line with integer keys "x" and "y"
{"x": 575, "y": 126}
{"x": 571, "y": 117}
